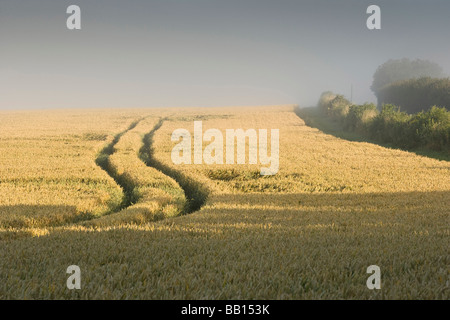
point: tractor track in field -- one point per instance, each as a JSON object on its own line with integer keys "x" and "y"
{"x": 195, "y": 193}
{"x": 103, "y": 162}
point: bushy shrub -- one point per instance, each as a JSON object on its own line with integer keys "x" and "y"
{"x": 334, "y": 105}
{"x": 429, "y": 129}
{"x": 339, "y": 108}
{"x": 391, "y": 126}
{"x": 325, "y": 100}
{"x": 432, "y": 128}
{"x": 359, "y": 117}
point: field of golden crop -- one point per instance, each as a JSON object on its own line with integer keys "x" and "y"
{"x": 98, "y": 189}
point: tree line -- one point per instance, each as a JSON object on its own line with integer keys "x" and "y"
{"x": 428, "y": 129}
{"x": 415, "y": 95}
{"x": 413, "y": 85}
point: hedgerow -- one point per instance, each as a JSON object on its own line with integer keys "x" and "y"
{"x": 429, "y": 129}
{"x": 415, "y": 95}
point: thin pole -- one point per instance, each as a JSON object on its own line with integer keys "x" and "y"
{"x": 351, "y": 93}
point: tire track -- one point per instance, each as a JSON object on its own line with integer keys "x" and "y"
{"x": 103, "y": 162}
{"x": 196, "y": 194}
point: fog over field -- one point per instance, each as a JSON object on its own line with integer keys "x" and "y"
{"x": 205, "y": 52}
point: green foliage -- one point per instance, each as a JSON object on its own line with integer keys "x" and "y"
{"x": 339, "y": 107}
{"x": 403, "y": 69}
{"x": 359, "y": 117}
{"x": 325, "y": 100}
{"x": 415, "y": 95}
{"x": 429, "y": 129}
{"x": 432, "y": 128}
{"x": 334, "y": 105}
{"x": 390, "y": 126}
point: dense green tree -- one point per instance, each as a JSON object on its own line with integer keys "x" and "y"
{"x": 416, "y": 95}
{"x": 403, "y": 69}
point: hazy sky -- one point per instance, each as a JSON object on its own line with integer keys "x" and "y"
{"x": 140, "y": 53}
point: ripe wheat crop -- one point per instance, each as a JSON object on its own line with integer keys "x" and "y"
{"x": 151, "y": 194}
{"x": 309, "y": 232}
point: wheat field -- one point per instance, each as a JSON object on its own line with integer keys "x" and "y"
{"x": 98, "y": 189}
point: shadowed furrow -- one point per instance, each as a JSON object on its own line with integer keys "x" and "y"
{"x": 196, "y": 194}
{"x": 103, "y": 161}
{"x": 150, "y": 195}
